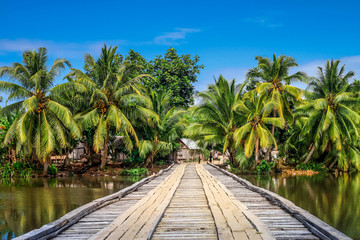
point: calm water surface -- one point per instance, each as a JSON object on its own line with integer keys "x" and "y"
{"x": 26, "y": 204}
{"x": 333, "y": 199}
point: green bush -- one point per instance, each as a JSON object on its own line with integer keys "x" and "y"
{"x": 159, "y": 163}
{"x": 317, "y": 167}
{"x": 264, "y": 167}
{"x": 7, "y": 170}
{"x": 17, "y": 169}
{"x": 52, "y": 170}
{"x": 133, "y": 158}
{"x": 134, "y": 172}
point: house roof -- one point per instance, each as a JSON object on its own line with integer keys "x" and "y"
{"x": 190, "y": 143}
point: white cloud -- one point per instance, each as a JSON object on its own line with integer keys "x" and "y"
{"x": 57, "y": 49}
{"x": 172, "y": 38}
{"x": 263, "y": 21}
{"x": 352, "y": 63}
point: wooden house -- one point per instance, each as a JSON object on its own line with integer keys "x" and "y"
{"x": 189, "y": 150}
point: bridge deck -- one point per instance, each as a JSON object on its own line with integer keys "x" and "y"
{"x": 282, "y": 225}
{"x": 94, "y": 222}
{"x": 195, "y": 201}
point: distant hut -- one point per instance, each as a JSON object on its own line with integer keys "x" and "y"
{"x": 189, "y": 150}
{"x": 219, "y": 157}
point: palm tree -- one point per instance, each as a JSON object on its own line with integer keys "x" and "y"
{"x": 275, "y": 83}
{"x": 43, "y": 124}
{"x": 333, "y": 122}
{"x": 218, "y": 118}
{"x": 165, "y": 131}
{"x": 254, "y": 133}
{"x": 114, "y": 98}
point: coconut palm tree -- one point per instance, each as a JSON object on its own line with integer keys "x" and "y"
{"x": 275, "y": 79}
{"x": 163, "y": 132}
{"x": 43, "y": 123}
{"x": 254, "y": 133}
{"x": 114, "y": 98}
{"x": 218, "y": 118}
{"x": 333, "y": 124}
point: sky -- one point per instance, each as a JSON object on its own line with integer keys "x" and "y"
{"x": 227, "y": 35}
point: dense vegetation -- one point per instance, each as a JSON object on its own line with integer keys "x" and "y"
{"x": 262, "y": 123}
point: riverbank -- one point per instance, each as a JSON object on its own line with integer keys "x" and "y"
{"x": 26, "y": 170}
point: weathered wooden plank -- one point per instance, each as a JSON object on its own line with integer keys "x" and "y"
{"x": 231, "y": 208}
{"x": 127, "y": 225}
{"x": 313, "y": 224}
{"x": 187, "y": 221}
{"x": 54, "y": 228}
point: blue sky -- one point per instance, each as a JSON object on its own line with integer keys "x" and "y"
{"x": 225, "y": 34}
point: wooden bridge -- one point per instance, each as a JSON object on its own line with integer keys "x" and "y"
{"x": 189, "y": 201}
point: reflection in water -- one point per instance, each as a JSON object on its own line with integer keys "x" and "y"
{"x": 333, "y": 199}
{"x": 26, "y": 204}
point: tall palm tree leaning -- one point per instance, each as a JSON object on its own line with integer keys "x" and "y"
{"x": 163, "y": 132}
{"x": 114, "y": 97}
{"x": 43, "y": 123}
{"x": 275, "y": 79}
{"x": 333, "y": 121}
{"x": 254, "y": 132}
{"x": 218, "y": 116}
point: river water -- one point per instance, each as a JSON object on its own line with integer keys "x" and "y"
{"x": 27, "y": 204}
{"x": 333, "y": 199}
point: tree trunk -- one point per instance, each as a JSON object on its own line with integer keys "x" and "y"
{"x": 232, "y": 153}
{"x": 332, "y": 164}
{"x": 46, "y": 164}
{"x": 106, "y": 147}
{"x": 310, "y": 153}
{"x": 66, "y": 160}
{"x": 256, "y": 152}
{"x": 268, "y": 153}
{"x": 149, "y": 160}
{"x": 232, "y": 157}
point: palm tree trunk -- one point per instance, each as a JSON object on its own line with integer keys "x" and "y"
{"x": 268, "y": 153}
{"x": 332, "y": 164}
{"x": 310, "y": 153}
{"x": 232, "y": 154}
{"x": 233, "y": 158}
{"x": 256, "y": 152}
{"x": 46, "y": 164}
{"x": 106, "y": 147}
{"x": 149, "y": 160}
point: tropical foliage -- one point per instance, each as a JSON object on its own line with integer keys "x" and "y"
{"x": 333, "y": 123}
{"x": 163, "y": 133}
{"x": 114, "y": 97}
{"x": 43, "y": 124}
{"x": 274, "y": 83}
{"x": 254, "y": 133}
{"x": 149, "y": 106}
{"x": 217, "y": 115}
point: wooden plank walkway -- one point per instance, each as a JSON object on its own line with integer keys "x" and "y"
{"x": 190, "y": 201}
{"x": 188, "y": 215}
{"x": 96, "y": 221}
{"x": 281, "y": 224}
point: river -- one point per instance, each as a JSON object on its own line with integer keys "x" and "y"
{"x": 27, "y": 204}
{"x": 333, "y": 199}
